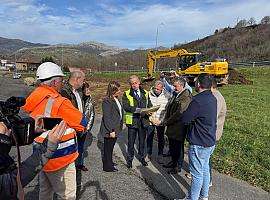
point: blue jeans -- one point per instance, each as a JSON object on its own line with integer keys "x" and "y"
{"x": 150, "y": 136}
{"x": 81, "y": 140}
{"x": 199, "y": 168}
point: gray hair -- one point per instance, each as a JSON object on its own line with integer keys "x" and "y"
{"x": 158, "y": 82}
{"x": 48, "y": 82}
{"x": 133, "y": 77}
{"x": 180, "y": 80}
{"x": 76, "y": 74}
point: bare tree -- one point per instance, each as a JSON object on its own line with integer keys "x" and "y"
{"x": 251, "y": 21}
{"x": 241, "y": 23}
{"x": 265, "y": 20}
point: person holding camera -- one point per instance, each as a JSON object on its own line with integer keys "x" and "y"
{"x": 59, "y": 174}
{"x": 10, "y": 184}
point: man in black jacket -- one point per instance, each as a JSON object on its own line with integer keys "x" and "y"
{"x": 133, "y": 101}
{"x": 10, "y": 185}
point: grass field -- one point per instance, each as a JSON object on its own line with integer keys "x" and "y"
{"x": 244, "y": 149}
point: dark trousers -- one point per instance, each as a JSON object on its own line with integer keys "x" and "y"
{"x": 132, "y": 133}
{"x": 177, "y": 152}
{"x": 108, "y": 150}
{"x": 81, "y": 141}
{"x": 150, "y": 136}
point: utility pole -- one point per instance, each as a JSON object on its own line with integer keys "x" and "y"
{"x": 156, "y": 49}
{"x": 62, "y": 59}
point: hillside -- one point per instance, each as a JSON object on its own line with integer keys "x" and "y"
{"x": 88, "y": 54}
{"x": 250, "y": 43}
{"x": 9, "y": 46}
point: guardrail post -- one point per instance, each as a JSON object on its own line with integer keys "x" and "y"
{"x": 253, "y": 64}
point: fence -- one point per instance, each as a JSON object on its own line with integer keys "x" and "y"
{"x": 238, "y": 64}
{"x": 250, "y": 64}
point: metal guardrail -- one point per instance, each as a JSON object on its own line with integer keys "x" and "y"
{"x": 237, "y": 64}
{"x": 250, "y": 64}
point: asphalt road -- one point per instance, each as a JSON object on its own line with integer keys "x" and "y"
{"x": 94, "y": 184}
{"x": 151, "y": 182}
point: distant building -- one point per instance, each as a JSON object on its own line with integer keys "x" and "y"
{"x": 6, "y": 65}
{"x": 27, "y": 64}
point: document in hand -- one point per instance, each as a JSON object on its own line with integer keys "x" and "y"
{"x": 148, "y": 111}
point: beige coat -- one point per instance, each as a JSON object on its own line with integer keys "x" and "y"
{"x": 221, "y": 113}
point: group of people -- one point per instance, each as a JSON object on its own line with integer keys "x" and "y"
{"x": 180, "y": 115}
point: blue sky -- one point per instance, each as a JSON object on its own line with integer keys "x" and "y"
{"x": 123, "y": 23}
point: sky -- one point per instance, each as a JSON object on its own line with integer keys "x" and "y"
{"x": 123, "y": 23}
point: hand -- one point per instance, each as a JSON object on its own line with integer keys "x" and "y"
{"x": 4, "y": 130}
{"x": 162, "y": 75}
{"x": 157, "y": 122}
{"x": 56, "y": 134}
{"x": 112, "y": 135}
{"x": 174, "y": 73}
{"x": 39, "y": 124}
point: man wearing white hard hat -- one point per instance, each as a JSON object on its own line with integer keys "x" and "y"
{"x": 59, "y": 174}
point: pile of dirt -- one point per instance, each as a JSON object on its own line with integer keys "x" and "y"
{"x": 235, "y": 77}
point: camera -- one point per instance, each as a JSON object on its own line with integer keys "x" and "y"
{"x": 23, "y": 129}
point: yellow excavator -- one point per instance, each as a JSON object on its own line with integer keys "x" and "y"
{"x": 189, "y": 64}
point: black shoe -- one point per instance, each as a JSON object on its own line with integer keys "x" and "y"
{"x": 129, "y": 164}
{"x": 110, "y": 170}
{"x": 81, "y": 168}
{"x": 169, "y": 165}
{"x": 144, "y": 163}
{"x": 173, "y": 171}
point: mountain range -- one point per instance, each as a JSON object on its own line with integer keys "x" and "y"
{"x": 251, "y": 43}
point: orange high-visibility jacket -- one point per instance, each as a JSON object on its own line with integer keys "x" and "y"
{"x": 46, "y": 101}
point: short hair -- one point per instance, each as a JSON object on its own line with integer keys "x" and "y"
{"x": 133, "y": 77}
{"x": 113, "y": 87}
{"x": 158, "y": 82}
{"x": 75, "y": 74}
{"x": 180, "y": 80}
{"x": 85, "y": 86}
{"x": 205, "y": 81}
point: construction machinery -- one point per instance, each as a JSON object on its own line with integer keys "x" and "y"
{"x": 189, "y": 64}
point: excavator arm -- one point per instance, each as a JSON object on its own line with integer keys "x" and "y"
{"x": 153, "y": 55}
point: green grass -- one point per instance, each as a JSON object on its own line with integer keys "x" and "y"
{"x": 244, "y": 149}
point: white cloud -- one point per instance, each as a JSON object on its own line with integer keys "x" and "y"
{"x": 72, "y": 9}
{"x": 124, "y": 26}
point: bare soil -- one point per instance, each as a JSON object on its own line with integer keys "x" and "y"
{"x": 235, "y": 77}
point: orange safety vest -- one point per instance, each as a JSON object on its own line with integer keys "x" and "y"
{"x": 47, "y": 102}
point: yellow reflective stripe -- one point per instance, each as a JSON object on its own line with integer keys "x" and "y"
{"x": 146, "y": 96}
{"x": 130, "y": 98}
{"x": 129, "y": 115}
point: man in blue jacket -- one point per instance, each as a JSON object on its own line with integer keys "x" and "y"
{"x": 201, "y": 116}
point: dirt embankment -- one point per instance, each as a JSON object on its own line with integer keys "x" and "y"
{"x": 235, "y": 77}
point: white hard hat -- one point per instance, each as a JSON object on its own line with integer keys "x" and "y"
{"x": 47, "y": 70}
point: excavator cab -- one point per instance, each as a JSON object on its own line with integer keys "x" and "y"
{"x": 187, "y": 60}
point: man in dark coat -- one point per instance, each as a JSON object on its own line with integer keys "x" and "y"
{"x": 72, "y": 90}
{"x": 176, "y": 130}
{"x": 133, "y": 101}
{"x": 201, "y": 116}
